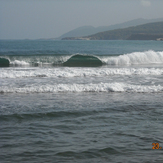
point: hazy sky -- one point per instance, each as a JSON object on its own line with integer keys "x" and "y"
{"x": 32, "y": 19}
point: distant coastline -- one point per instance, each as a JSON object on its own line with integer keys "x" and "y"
{"x": 149, "y": 31}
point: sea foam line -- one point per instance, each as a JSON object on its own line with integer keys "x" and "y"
{"x": 101, "y": 87}
{"x": 77, "y": 72}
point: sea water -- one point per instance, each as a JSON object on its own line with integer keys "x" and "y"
{"x": 81, "y": 101}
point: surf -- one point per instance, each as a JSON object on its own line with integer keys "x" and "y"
{"x": 118, "y": 87}
{"x": 136, "y": 58}
{"x": 69, "y": 72}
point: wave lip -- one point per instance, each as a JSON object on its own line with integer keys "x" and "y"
{"x": 83, "y": 61}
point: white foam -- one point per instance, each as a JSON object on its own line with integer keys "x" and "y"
{"x": 146, "y": 57}
{"x": 101, "y": 87}
{"x": 19, "y": 63}
{"x": 76, "y": 72}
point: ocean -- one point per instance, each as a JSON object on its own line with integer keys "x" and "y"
{"x": 81, "y": 101}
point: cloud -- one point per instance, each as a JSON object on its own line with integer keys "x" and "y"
{"x": 145, "y": 3}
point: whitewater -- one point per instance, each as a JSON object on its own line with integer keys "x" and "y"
{"x": 81, "y": 101}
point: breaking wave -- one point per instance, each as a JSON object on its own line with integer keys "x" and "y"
{"x": 147, "y": 57}
{"x": 80, "y": 60}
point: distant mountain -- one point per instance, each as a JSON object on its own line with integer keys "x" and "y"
{"x": 149, "y": 31}
{"x": 81, "y": 31}
{"x": 90, "y": 30}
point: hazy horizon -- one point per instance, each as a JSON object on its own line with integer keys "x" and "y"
{"x": 52, "y": 18}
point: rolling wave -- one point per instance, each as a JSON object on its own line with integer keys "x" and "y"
{"x": 83, "y": 61}
{"x": 80, "y": 60}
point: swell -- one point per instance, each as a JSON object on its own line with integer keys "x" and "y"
{"x": 54, "y": 114}
{"x": 91, "y": 153}
{"x": 80, "y": 60}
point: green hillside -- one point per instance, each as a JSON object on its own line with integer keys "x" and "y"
{"x": 150, "y": 31}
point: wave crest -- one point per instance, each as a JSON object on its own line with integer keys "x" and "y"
{"x": 83, "y": 61}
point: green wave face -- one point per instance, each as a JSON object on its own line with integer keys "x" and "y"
{"x": 4, "y": 62}
{"x": 83, "y": 61}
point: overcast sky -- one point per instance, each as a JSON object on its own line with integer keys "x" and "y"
{"x": 33, "y": 19}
